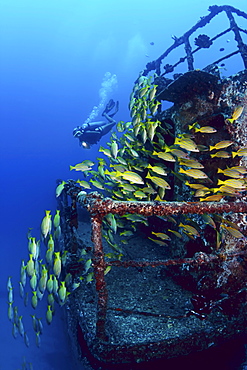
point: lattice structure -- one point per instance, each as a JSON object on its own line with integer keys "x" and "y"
{"x": 188, "y": 48}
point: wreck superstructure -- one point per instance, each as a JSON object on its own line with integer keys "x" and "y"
{"x": 163, "y": 303}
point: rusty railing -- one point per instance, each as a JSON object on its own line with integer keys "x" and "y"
{"x": 99, "y": 207}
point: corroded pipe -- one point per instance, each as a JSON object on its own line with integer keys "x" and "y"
{"x": 199, "y": 259}
{"x": 96, "y": 205}
{"x": 99, "y": 266}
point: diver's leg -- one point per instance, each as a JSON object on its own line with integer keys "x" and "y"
{"x": 116, "y": 109}
{"x": 107, "y": 127}
{"x": 109, "y": 106}
{"x": 109, "y": 118}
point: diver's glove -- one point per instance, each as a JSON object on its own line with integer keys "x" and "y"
{"x": 78, "y": 131}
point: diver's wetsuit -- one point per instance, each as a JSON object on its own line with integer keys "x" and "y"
{"x": 90, "y": 133}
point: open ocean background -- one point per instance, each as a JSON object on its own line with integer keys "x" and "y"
{"x": 54, "y": 56}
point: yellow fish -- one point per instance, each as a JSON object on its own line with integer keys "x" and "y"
{"x": 62, "y": 292}
{"x": 50, "y": 243}
{"x": 49, "y": 315}
{"x": 226, "y": 189}
{"x": 120, "y": 126}
{"x": 157, "y": 169}
{"x": 57, "y": 266}
{"x": 49, "y": 284}
{"x": 161, "y": 236}
{"x": 165, "y": 156}
{"x": 240, "y": 169}
{"x": 80, "y": 167}
{"x": 30, "y": 266}
{"x": 114, "y": 149}
{"x": 190, "y": 229}
{"x": 234, "y": 232}
{"x": 46, "y": 224}
{"x": 221, "y": 145}
{"x": 158, "y": 181}
{"x": 88, "y": 163}
{"x": 221, "y": 154}
{"x": 56, "y": 220}
{"x": 196, "y": 174}
{"x": 187, "y": 144}
{"x": 233, "y": 183}
{"x": 212, "y": 198}
{"x": 159, "y": 242}
{"x": 133, "y": 153}
{"x": 139, "y": 194}
{"x": 241, "y": 153}
{"x": 107, "y": 152}
{"x": 127, "y": 187}
{"x": 175, "y": 233}
{"x": 60, "y": 188}
{"x": 33, "y": 281}
{"x": 208, "y": 220}
{"x": 126, "y": 233}
{"x": 143, "y": 91}
{"x": 201, "y": 193}
{"x": 193, "y": 163}
{"x": 43, "y": 281}
{"x": 206, "y": 130}
{"x": 84, "y": 184}
{"x": 152, "y": 92}
{"x": 153, "y": 107}
{"x": 151, "y": 127}
{"x": 133, "y": 177}
{"x": 196, "y": 186}
{"x": 97, "y": 184}
{"x": 236, "y": 114}
{"x": 230, "y": 173}
{"x": 34, "y": 300}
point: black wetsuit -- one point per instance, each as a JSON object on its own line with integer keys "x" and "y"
{"x": 90, "y": 133}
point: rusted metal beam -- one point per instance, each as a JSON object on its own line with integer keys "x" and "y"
{"x": 96, "y": 205}
{"x": 99, "y": 266}
{"x": 242, "y": 47}
{"x": 199, "y": 259}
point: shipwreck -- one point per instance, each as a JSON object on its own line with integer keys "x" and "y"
{"x": 184, "y": 292}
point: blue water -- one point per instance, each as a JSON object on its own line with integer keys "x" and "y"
{"x": 54, "y": 56}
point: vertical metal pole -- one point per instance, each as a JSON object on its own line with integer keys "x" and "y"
{"x": 188, "y": 51}
{"x": 99, "y": 268}
{"x": 241, "y": 45}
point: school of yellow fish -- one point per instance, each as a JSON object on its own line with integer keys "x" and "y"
{"x": 139, "y": 165}
{"x": 41, "y": 276}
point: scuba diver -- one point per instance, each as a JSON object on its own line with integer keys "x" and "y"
{"x": 90, "y": 133}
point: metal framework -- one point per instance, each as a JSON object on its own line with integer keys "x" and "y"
{"x": 99, "y": 207}
{"x": 189, "y": 51}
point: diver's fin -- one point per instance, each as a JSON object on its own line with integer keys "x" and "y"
{"x": 109, "y": 106}
{"x": 116, "y": 110}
